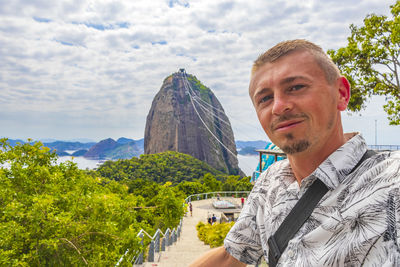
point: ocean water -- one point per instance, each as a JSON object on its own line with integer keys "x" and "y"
{"x": 248, "y": 163}
{"x": 83, "y": 163}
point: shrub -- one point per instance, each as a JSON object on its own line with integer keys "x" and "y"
{"x": 213, "y": 235}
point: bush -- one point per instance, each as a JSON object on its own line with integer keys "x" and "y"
{"x": 213, "y": 235}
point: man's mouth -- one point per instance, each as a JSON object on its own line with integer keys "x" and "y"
{"x": 287, "y": 125}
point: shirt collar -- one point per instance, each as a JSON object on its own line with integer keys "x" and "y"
{"x": 339, "y": 164}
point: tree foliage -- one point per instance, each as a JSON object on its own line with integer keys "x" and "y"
{"x": 191, "y": 188}
{"x": 161, "y": 168}
{"x": 371, "y": 62}
{"x": 55, "y": 214}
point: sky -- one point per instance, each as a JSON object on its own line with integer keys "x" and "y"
{"x": 84, "y": 69}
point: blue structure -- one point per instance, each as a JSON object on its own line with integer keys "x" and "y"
{"x": 268, "y": 156}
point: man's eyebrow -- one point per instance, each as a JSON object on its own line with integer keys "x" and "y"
{"x": 292, "y": 79}
{"x": 262, "y": 91}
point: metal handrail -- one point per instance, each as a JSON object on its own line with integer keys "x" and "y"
{"x": 168, "y": 238}
{"x": 384, "y": 147}
{"x": 221, "y": 193}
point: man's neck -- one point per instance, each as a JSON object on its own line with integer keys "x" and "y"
{"x": 304, "y": 163}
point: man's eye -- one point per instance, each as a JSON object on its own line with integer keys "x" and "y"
{"x": 296, "y": 87}
{"x": 265, "y": 98}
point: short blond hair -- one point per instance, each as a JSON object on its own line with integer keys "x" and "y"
{"x": 284, "y": 48}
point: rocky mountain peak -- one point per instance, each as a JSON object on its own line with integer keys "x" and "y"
{"x": 186, "y": 116}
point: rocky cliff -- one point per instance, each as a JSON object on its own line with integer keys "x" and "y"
{"x": 185, "y": 116}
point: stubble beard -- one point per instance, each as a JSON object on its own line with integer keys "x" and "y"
{"x": 296, "y": 146}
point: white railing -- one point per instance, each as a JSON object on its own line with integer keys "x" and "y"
{"x": 384, "y": 147}
{"x": 170, "y": 236}
{"x": 215, "y": 194}
{"x": 157, "y": 244}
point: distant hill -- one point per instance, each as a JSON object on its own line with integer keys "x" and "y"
{"x": 125, "y": 151}
{"x": 124, "y": 148}
{"x": 123, "y": 140}
{"x": 249, "y": 147}
{"x": 13, "y": 142}
{"x": 99, "y": 150}
{"x": 62, "y": 153}
{"x": 259, "y": 144}
{"x": 79, "y": 153}
{"x": 62, "y": 145}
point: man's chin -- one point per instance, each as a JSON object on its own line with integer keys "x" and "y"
{"x": 295, "y": 147}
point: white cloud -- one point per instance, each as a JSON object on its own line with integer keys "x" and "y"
{"x": 91, "y": 68}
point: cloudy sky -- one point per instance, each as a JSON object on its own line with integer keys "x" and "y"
{"x": 90, "y": 69}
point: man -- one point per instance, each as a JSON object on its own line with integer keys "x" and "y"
{"x": 298, "y": 94}
{"x": 213, "y": 219}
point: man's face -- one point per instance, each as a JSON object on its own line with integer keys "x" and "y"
{"x": 295, "y": 104}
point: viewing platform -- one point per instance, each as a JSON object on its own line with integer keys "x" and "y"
{"x": 189, "y": 246}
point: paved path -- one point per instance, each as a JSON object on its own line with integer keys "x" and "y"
{"x": 188, "y": 247}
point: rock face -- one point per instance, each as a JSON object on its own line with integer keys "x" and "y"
{"x": 186, "y": 117}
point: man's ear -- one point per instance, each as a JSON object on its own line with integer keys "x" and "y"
{"x": 344, "y": 93}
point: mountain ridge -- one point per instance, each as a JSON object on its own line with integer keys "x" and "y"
{"x": 128, "y": 147}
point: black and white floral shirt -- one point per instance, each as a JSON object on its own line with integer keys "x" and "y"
{"x": 357, "y": 222}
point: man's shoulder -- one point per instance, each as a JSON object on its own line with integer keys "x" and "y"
{"x": 382, "y": 167}
{"x": 393, "y": 156}
{"x": 275, "y": 174}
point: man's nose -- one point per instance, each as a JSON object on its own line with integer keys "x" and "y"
{"x": 281, "y": 104}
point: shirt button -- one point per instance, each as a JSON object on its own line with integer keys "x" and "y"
{"x": 290, "y": 253}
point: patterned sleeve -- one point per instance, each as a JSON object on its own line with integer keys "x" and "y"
{"x": 243, "y": 240}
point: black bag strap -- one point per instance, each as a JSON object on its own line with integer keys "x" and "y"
{"x": 298, "y": 215}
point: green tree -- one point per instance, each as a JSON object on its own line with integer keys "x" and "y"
{"x": 160, "y": 168}
{"x": 211, "y": 182}
{"x": 55, "y": 214}
{"x": 191, "y": 188}
{"x": 371, "y": 62}
{"x": 230, "y": 183}
{"x": 170, "y": 207}
{"x": 243, "y": 184}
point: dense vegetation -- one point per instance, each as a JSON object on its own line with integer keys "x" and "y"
{"x": 56, "y": 214}
{"x": 213, "y": 235}
{"x": 187, "y": 174}
{"x": 162, "y": 167}
{"x": 371, "y": 62}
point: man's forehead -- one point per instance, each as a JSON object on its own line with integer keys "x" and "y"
{"x": 296, "y": 58}
{"x": 288, "y": 68}
{"x": 295, "y": 54}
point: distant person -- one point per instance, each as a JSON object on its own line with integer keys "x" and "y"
{"x": 209, "y": 220}
{"x": 298, "y": 95}
{"x": 242, "y": 201}
{"x": 213, "y": 219}
{"x": 191, "y": 208}
{"x": 218, "y": 196}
